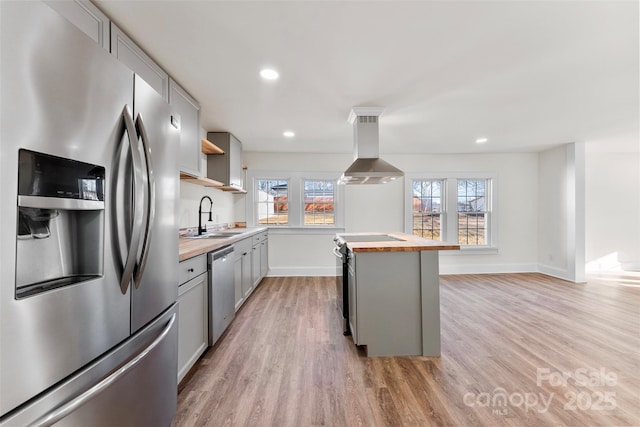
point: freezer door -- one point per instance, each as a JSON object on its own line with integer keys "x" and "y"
{"x": 62, "y": 95}
{"x": 133, "y": 385}
{"x": 156, "y": 275}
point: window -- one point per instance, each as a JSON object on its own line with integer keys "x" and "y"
{"x": 472, "y": 212}
{"x": 453, "y": 208}
{"x": 272, "y": 201}
{"x": 294, "y": 200}
{"x": 427, "y": 207}
{"x": 319, "y": 202}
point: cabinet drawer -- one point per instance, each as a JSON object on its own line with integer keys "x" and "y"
{"x": 190, "y": 268}
{"x": 260, "y": 237}
{"x": 242, "y": 247}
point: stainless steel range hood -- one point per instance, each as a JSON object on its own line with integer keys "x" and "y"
{"x": 368, "y": 167}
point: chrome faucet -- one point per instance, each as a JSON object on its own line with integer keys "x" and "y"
{"x": 202, "y": 229}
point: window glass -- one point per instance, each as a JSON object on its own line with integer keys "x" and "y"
{"x": 427, "y": 209}
{"x": 472, "y": 212}
{"x": 272, "y": 201}
{"x": 319, "y": 202}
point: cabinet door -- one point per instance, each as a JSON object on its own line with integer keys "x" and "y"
{"x": 237, "y": 284}
{"x": 264, "y": 258}
{"x": 123, "y": 48}
{"x": 352, "y": 291}
{"x": 247, "y": 280}
{"x": 255, "y": 264}
{"x": 88, "y": 18}
{"x": 235, "y": 163}
{"x": 192, "y": 322}
{"x": 186, "y": 111}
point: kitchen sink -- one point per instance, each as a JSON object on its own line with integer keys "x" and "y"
{"x": 210, "y": 236}
{"x": 232, "y": 232}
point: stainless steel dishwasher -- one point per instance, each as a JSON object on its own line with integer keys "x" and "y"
{"x": 221, "y": 292}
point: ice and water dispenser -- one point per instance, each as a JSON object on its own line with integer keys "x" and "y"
{"x": 60, "y": 230}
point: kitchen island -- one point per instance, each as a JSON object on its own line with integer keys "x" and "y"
{"x": 393, "y": 292}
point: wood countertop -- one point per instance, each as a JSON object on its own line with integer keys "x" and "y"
{"x": 406, "y": 243}
{"x": 189, "y": 247}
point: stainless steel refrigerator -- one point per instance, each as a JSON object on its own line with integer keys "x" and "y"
{"x": 88, "y": 232}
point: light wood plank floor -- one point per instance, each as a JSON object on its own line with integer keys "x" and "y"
{"x": 506, "y": 342}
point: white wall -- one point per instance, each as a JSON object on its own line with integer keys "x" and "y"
{"x": 381, "y": 208}
{"x": 516, "y": 186}
{"x": 613, "y": 210}
{"x": 552, "y": 210}
{"x": 561, "y": 212}
{"x": 375, "y": 207}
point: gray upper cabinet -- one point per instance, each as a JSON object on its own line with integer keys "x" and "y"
{"x": 186, "y": 110}
{"x": 226, "y": 168}
{"x": 87, "y": 17}
{"x": 123, "y": 48}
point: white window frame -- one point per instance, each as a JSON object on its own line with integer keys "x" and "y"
{"x": 295, "y": 200}
{"x": 449, "y": 218}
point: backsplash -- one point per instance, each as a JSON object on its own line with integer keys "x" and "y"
{"x": 190, "y": 195}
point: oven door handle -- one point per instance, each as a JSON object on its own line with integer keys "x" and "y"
{"x": 337, "y": 253}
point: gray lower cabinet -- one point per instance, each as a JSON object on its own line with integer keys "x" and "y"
{"x": 264, "y": 256}
{"x": 260, "y": 259}
{"x": 250, "y": 264}
{"x": 394, "y": 304}
{"x": 247, "y": 281}
{"x": 352, "y": 286}
{"x": 192, "y": 312}
{"x": 130, "y": 54}
{"x": 255, "y": 265}
{"x": 185, "y": 112}
{"x": 242, "y": 267}
{"x": 87, "y": 17}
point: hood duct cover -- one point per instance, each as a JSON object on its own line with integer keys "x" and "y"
{"x": 368, "y": 167}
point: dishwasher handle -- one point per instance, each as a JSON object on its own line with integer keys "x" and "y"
{"x": 220, "y": 253}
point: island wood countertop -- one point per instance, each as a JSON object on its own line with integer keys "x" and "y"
{"x": 189, "y": 247}
{"x": 406, "y": 243}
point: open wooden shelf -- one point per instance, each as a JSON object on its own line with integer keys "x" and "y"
{"x": 209, "y": 147}
{"x": 235, "y": 190}
{"x": 205, "y": 182}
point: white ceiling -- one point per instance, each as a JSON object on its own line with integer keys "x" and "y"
{"x": 525, "y": 74}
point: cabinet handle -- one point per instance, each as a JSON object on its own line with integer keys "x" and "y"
{"x": 190, "y": 270}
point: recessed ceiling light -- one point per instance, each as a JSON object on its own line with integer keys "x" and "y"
{"x": 288, "y": 134}
{"x": 269, "y": 74}
{"x": 481, "y": 140}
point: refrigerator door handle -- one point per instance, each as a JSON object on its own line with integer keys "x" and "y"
{"x": 150, "y": 211}
{"x": 138, "y": 205}
{"x": 61, "y": 412}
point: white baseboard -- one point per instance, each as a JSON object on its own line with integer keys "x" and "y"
{"x": 488, "y": 268}
{"x": 631, "y": 266}
{"x": 444, "y": 270}
{"x": 555, "y": 272}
